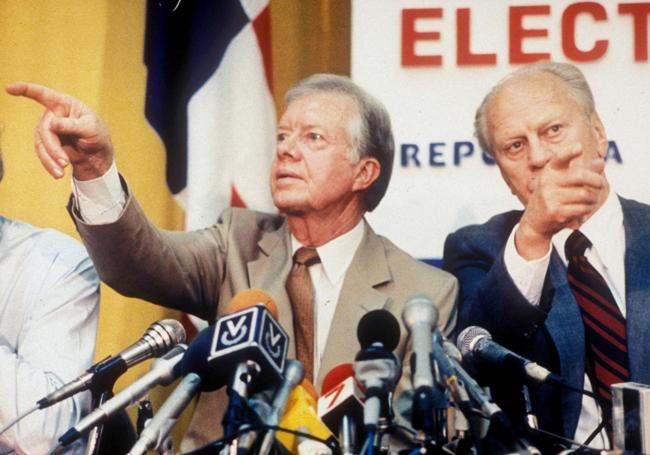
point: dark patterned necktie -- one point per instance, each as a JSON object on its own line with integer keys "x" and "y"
{"x": 605, "y": 331}
{"x": 301, "y": 293}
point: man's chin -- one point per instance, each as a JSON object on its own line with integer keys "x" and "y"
{"x": 289, "y": 207}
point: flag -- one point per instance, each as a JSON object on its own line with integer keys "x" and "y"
{"x": 209, "y": 99}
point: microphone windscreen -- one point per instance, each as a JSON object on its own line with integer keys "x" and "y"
{"x": 251, "y": 297}
{"x": 467, "y": 339}
{"x": 195, "y": 359}
{"x": 378, "y": 326}
{"x": 335, "y": 376}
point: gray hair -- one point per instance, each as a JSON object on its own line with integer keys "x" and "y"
{"x": 370, "y": 131}
{"x": 577, "y": 86}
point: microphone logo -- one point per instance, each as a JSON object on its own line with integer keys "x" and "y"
{"x": 274, "y": 341}
{"x": 236, "y": 331}
{"x": 251, "y": 334}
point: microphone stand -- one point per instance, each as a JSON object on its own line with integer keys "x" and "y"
{"x": 238, "y": 412}
{"x": 101, "y": 390}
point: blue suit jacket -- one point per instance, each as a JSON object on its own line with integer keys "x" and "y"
{"x": 551, "y": 334}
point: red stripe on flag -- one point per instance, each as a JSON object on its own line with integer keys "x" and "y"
{"x": 262, "y": 27}
{"x": 235, "y": 198}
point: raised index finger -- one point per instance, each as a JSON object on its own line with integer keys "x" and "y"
{"x": 49, "y": 98}
{"x": 562, "y": 158}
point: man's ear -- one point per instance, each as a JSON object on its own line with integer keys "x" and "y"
{"x": 601, "y": 136}
{"x": 367, "y": 170}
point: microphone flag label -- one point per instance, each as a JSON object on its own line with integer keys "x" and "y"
{"x": 251, "y": 334}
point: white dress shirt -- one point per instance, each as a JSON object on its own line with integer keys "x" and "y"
{"x": 49, "y": 294}
{"x": 327, "y": 278}
{"x": 607, "y": 255}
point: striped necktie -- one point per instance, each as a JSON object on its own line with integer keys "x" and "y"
{"x": 301, "y": 293}
{"x": 605, "y": 330}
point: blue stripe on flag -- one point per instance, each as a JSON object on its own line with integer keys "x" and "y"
{"x": 183, "y": 48}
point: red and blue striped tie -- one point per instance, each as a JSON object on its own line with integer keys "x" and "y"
{"x": 605, "y": 331}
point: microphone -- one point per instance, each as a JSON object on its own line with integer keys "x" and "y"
{"x": 341, "y": 397}
{"x": 158, "y": 339}
{"x": 375, "y": 366}
{"x": 420, "y": 317}
{"x": 499, "y": 422}
{"x": 163, "y": 372}
{"x": 248, "y": 332}
{"x": 300, "y": 415}
{"x": 242, "y": 347}
{"x": 476, "y": 393}
{"x": 294, "y": 372}
{"x": 161, "y": 424}
{"x": 476, "y": 344}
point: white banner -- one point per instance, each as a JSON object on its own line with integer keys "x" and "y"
{"x": 432, "y": 62}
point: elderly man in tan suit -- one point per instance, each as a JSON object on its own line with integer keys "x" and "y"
{"x": 332, "y": 164}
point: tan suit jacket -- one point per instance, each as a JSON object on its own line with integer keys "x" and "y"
{"x": 200, "y": 271}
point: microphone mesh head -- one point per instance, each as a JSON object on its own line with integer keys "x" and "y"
{"x": 163, "y": 335}
{"x": 419, "y": 308}
{"x": 378, "y": 326}
{"x": 468, "y": 338}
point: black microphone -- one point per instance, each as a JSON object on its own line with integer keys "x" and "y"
{"x": 163, "y": 372}
{"x": 251, "y": 334}
{"x": 157, "y": 340}
{"x": 499, "y": 423}
{"x": 476, "y": 345}
{"x": 375, "y": 366}
{"x": 420, "y": 317}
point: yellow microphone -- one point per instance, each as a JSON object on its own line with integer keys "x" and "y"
{"x": 301, "y": 415}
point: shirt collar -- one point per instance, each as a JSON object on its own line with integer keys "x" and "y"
{"x": 600, "y": 229}
{"x": 336, "y": 255}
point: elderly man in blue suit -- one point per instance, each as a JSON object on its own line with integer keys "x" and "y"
{"x": 566, "y": 281}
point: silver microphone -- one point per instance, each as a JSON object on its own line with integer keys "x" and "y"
{"x": 159, "y": 338}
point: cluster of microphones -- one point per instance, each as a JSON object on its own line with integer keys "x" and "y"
{"x": 271, "y": 409}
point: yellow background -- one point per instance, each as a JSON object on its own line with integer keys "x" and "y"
{"x": 93, "y": 49}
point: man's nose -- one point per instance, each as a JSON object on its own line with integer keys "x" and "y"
{"x": 288, "y": 147}
{"x": 538, "y": 154}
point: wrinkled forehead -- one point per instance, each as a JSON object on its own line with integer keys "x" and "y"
{"x": 523, "y": 92}
{"x": 334, "y": 102}
{"x": 327, "y": 109}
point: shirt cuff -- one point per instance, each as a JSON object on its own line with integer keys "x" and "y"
{"x": 528, "y": 276}
{"x": 100, "y": 200}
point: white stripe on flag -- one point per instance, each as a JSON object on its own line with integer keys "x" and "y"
{"x": 231, "y": 135}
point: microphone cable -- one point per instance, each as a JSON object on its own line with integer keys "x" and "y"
{"x": 18, "y": 419}
{"x": 208, "y": 449}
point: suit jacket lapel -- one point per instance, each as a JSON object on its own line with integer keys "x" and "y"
{"x": 368, "y": 269}
{"x": 269, "y": 272}
{"x": 637, "y": 287}
{"x": 564, "y": 324}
